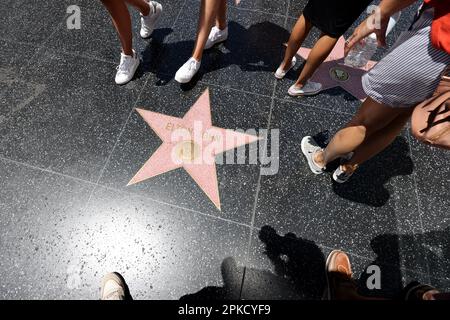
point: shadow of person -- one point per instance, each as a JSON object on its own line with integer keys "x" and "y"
{"x": 232, "y": 280}
{"x": 368, "y": 184}
{"x": 246, "y": 283}
{"x": 299, "y": 268}
{"x": 387, "y": 250}
{"x": 299, "y": 273}
{"x": 152, "y": 51}
{"x": 408, "y": 252}
{"x": 296, "y": 259}
{"x": 436, "y": 245}
{"x": 257, "y": 48}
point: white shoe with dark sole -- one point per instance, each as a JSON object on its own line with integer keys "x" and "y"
{"x": 310, "y": 148}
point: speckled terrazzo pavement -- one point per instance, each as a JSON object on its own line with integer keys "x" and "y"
{"x": 70, "y": 142}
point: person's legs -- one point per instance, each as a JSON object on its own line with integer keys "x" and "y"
{"x": 122, "y": 22}
{"x": 141, "y": 5}
{"x": 208, "y": 13}
{"x": 316, "y": 57}
{"x": 411, "y": 63}
{"x": 298, "y": 35}
{"x": 150, "y": 14}
{"x": 211, "y": 11}
{"x": 221, "y": 18}
{"x": 370, "y": 118}
{"x": 379, "y": 140}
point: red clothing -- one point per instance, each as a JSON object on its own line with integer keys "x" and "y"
{"x": 440, "y": 28}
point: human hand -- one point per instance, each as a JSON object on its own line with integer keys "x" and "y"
{"x": 375, "y": 23}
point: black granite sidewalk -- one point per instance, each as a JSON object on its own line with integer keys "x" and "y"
{"x": 70, "y": 141}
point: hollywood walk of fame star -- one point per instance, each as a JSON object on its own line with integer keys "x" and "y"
{"x": 334, "y": 73}
{"x": 192, "y": 143}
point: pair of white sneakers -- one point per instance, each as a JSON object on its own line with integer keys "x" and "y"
{"x": 310, "y": 148}
{"x": 191, "y": 67}
{"x": 129, "y": 64}
{"x": 310, "y": 88}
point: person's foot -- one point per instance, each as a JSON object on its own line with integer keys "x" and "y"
{"x": 416, "y": 291}
{"x": 187, "y": 71}
{"x": 339, "y": 277}
{"x": 113, "y": 287}
{"x": 310, "y": 148}
{"x": 343, "y": 172}
{"x": 216, "y": 36}
{"x": 310, "y": 88}
{"x": 281, "y": 73}
{"x": 149, "y": 21}
{"x": 127, "y": 68}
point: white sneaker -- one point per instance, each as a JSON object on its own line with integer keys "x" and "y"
{"x": 127, "y": 68}
{"x": 310, "y": 88}
{"x": 113, "y": 287}
{"x": 340, "y": 176}
{"x": 216, "y": 36}
{"x": 280, "y": 73}
{"x": 187, "y": 71}
{"x": 309, "y": 149}
{"x": 148, "y": 22}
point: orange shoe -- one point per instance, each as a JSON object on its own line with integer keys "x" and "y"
{"x": 340, "y": 286}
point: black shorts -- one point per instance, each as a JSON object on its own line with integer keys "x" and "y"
{"x": 334, "y": 17}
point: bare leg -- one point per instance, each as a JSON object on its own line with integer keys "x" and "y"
{"x": 379, "y": 140}
{"x": 221, "y": 19}
{"x": 208, "y": 14}
{"x": 122, "y": 22}
{"x": 141, "y": 5}
{"x": 316, "y": 57}
{"x": 298, "y": 35}
{"x": 370, "y": 118}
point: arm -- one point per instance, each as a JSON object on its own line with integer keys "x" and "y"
{"x": 389, "y": 7}
{"x": 368, "y": 26}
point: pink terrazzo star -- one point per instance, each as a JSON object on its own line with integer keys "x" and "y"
{"x": 333, "y": 73}
{"x": 192, "y": 143}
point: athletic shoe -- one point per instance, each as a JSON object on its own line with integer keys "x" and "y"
{"x": 113, "y": 287}
{"x": 216, "y": 36}
{"x": 187, "y": 71}
{"x": 338, "y": 271}
{"x": 280, "y": 73}
{"x": 309, "y": 149}
{"x": 148, "y": 22}
{"x": 310, "y": 88}
{"x": 339, "y": 175}
{"x": 127, "y": 68}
